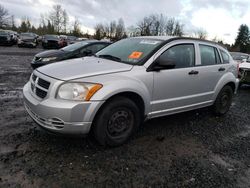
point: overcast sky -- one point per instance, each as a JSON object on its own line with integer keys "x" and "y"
{"x": 220, "y": 18}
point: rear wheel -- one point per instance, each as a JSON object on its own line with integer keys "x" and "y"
{"x": 223, "y": 101}
{"x": 116, "y": 122}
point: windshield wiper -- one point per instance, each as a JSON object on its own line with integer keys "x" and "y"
{"x": 106, "y": 56}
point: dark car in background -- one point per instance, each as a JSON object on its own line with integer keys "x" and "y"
{"x": 28, "y": 40}
{"x": 71, "y": 39}
{"x": 77, "y": 50}
{"x": 51, "y": 42}
{"x": 6, "y": 38}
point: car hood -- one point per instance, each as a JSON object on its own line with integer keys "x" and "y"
{"x": 244, "y": 65}
{"x": 50, "y": 53}
{"x": 82, "y": 67}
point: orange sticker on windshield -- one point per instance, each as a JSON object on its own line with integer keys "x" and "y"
{"x": 135, "y": 55}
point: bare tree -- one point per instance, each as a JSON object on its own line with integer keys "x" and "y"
{"x": 144, "y": 26}
{"x": 120, "y": 30}
{"x": 112, "y": 29}
{"x": 99, "y": 32}
{"x": 76, "y": 28}
{"x": 56, "y": 17}
{"x": 13, "y": 24}
{"x": 201, "y": 33}
{"x": 65, "y": 21}
{"x": 4, "y": 17}
{"x": 157, "y": 24}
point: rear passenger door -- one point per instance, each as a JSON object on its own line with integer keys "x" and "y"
{"x": 210, "y": 67}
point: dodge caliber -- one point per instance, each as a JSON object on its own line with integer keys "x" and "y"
{"x": 132, "y": 80}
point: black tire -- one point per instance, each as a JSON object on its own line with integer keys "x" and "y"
{"x": 116, "y": 122}
{"x": 223, "y": 101}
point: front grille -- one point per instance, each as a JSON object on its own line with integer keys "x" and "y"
{"x": 43, "y": 83}
{"x": 40, "y": 93}
{"x": 39, "y": 86}
{"x": 52, "y": 42}
{"x": 2, "y": 38}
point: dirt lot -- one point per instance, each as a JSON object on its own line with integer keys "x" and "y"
{"x": 193, "y": 149}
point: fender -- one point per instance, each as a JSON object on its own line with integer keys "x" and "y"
{"x": 224, "y": 80}
{"x": 125, "y": 84}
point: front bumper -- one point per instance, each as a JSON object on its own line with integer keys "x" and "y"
{"x": 27, "y": 44}
{"x": 60, "y": 116}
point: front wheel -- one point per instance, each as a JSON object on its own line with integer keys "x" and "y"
{"x": 116, "y": 121}
{"x": 223, "y": 101}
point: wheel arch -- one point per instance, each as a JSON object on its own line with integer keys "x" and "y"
{"x": 133, "y": 96}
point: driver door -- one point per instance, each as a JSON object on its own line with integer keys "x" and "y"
{"x": 176, "y": 89}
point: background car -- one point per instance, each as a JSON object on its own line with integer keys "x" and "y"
{"x": 81, "y": 39}
{"x": 240, "y": 57}
{"x": 76, "y": 50}
{"x": 51, "y": 42}
{"x": 6, "y": 38}
{"x": 244, "y": 73}
{"x": 71, "y": 39}
{"x": 28, "y": 40}
{"x": 63, "y": 41}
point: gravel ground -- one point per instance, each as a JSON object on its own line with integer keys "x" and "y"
{"x": 193, "y": 149}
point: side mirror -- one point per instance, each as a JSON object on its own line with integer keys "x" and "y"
{"x": 164, "y": 63}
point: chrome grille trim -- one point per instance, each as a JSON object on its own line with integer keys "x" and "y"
{"x": 39, "y": 86}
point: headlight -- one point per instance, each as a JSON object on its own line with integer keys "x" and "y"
{"x": 77, "y": 91}
{"x": 48, "y": 59}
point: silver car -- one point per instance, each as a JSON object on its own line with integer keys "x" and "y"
{"x": 130, "y": 81}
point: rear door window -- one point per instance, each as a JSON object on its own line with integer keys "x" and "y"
{"x": 209, "y": 55}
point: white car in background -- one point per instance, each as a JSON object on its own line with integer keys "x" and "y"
{"x": 240, "y": 57}
{"x": 244, "y": 73}
{"x": 243, "y": 61}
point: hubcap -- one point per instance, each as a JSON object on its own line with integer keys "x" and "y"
{"x": 224, "y": 100}
{"x": 119, "y": 122}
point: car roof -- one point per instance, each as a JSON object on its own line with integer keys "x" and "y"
{"x": 96, "y": 41}
{"x": 172, "y": 38}
{"x": 163, "y": 38}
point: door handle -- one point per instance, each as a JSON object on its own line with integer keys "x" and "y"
{"x": 193, "y": 72}
{"x": 221, "y": 69}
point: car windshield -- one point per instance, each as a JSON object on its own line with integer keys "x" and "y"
{"x": 71, "y": 38}
{"x": 51, "y": 37}
{"x": 130, "y": 51}
{"x": 74, "y": 47}
{"x": 3, "y": 33}
{"x": 27, "y": 35}
{"x": 237, "y": 56}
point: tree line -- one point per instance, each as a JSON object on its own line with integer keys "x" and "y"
{"x": 56, "y": 21}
